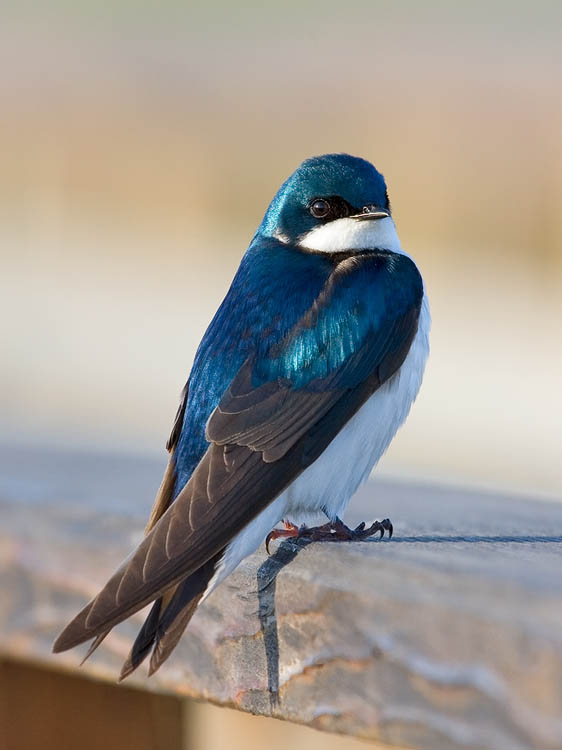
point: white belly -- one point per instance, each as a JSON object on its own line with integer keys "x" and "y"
{"x": 329, "y": 483}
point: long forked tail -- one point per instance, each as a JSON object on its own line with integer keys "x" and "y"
{"x": 164, "y": 625}
{"x": 167, "y": 620}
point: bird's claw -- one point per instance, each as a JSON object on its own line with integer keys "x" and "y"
{"x": 360, "y": 532}
{"x": 290, "y": 531}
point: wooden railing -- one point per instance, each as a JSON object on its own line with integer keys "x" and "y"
{"x": 448, "y": 636}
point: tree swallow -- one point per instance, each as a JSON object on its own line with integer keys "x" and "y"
{"x": 302, "y": 379}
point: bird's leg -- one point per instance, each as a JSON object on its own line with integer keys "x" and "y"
{"x": 334, "y": 531}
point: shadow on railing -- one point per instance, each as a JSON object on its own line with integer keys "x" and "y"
{"x": 267, "y": 578}
{"x": 288, "y": 550}
{"x": 474, "y": 539}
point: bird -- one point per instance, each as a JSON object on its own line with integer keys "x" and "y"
{"x": 305, "y": 373}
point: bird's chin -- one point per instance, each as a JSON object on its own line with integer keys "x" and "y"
{"x": 342, "y": 235}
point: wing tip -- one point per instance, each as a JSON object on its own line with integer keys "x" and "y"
{"x": 77, "y": 632}
{"x": 66, "y": 640}
{"x": 69, "y": 638}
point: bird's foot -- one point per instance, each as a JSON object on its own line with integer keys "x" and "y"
{"x": 331, "y": 532}
{"x": 339, "y": 532}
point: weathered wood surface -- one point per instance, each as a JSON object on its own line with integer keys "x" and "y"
{"x": 449, "y": 636}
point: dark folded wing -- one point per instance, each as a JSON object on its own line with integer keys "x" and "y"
{"x": 277, "y": 416}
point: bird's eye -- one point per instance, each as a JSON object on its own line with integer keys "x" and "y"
{"x": 319, "y": 208}
{"x": 369, "y": 208}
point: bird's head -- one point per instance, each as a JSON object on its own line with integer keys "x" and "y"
{"x": 332, "y": 203}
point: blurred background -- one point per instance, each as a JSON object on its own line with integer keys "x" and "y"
{"x": 142, "y": 141}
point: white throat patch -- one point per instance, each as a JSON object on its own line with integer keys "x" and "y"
{"x": 349, "y": 234}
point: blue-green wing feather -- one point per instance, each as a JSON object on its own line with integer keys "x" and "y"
{"x": 364, "y": 295}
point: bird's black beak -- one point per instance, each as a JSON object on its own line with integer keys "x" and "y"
{"x": 370, "y": 213}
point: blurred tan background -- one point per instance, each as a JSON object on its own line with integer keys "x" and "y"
{"x": 141, "y": 143}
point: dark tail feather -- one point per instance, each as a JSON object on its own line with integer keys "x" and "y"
{"x": 165, "y": 624}
{"x": 143, "y": 642}
{"x": 167, "y": 640}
